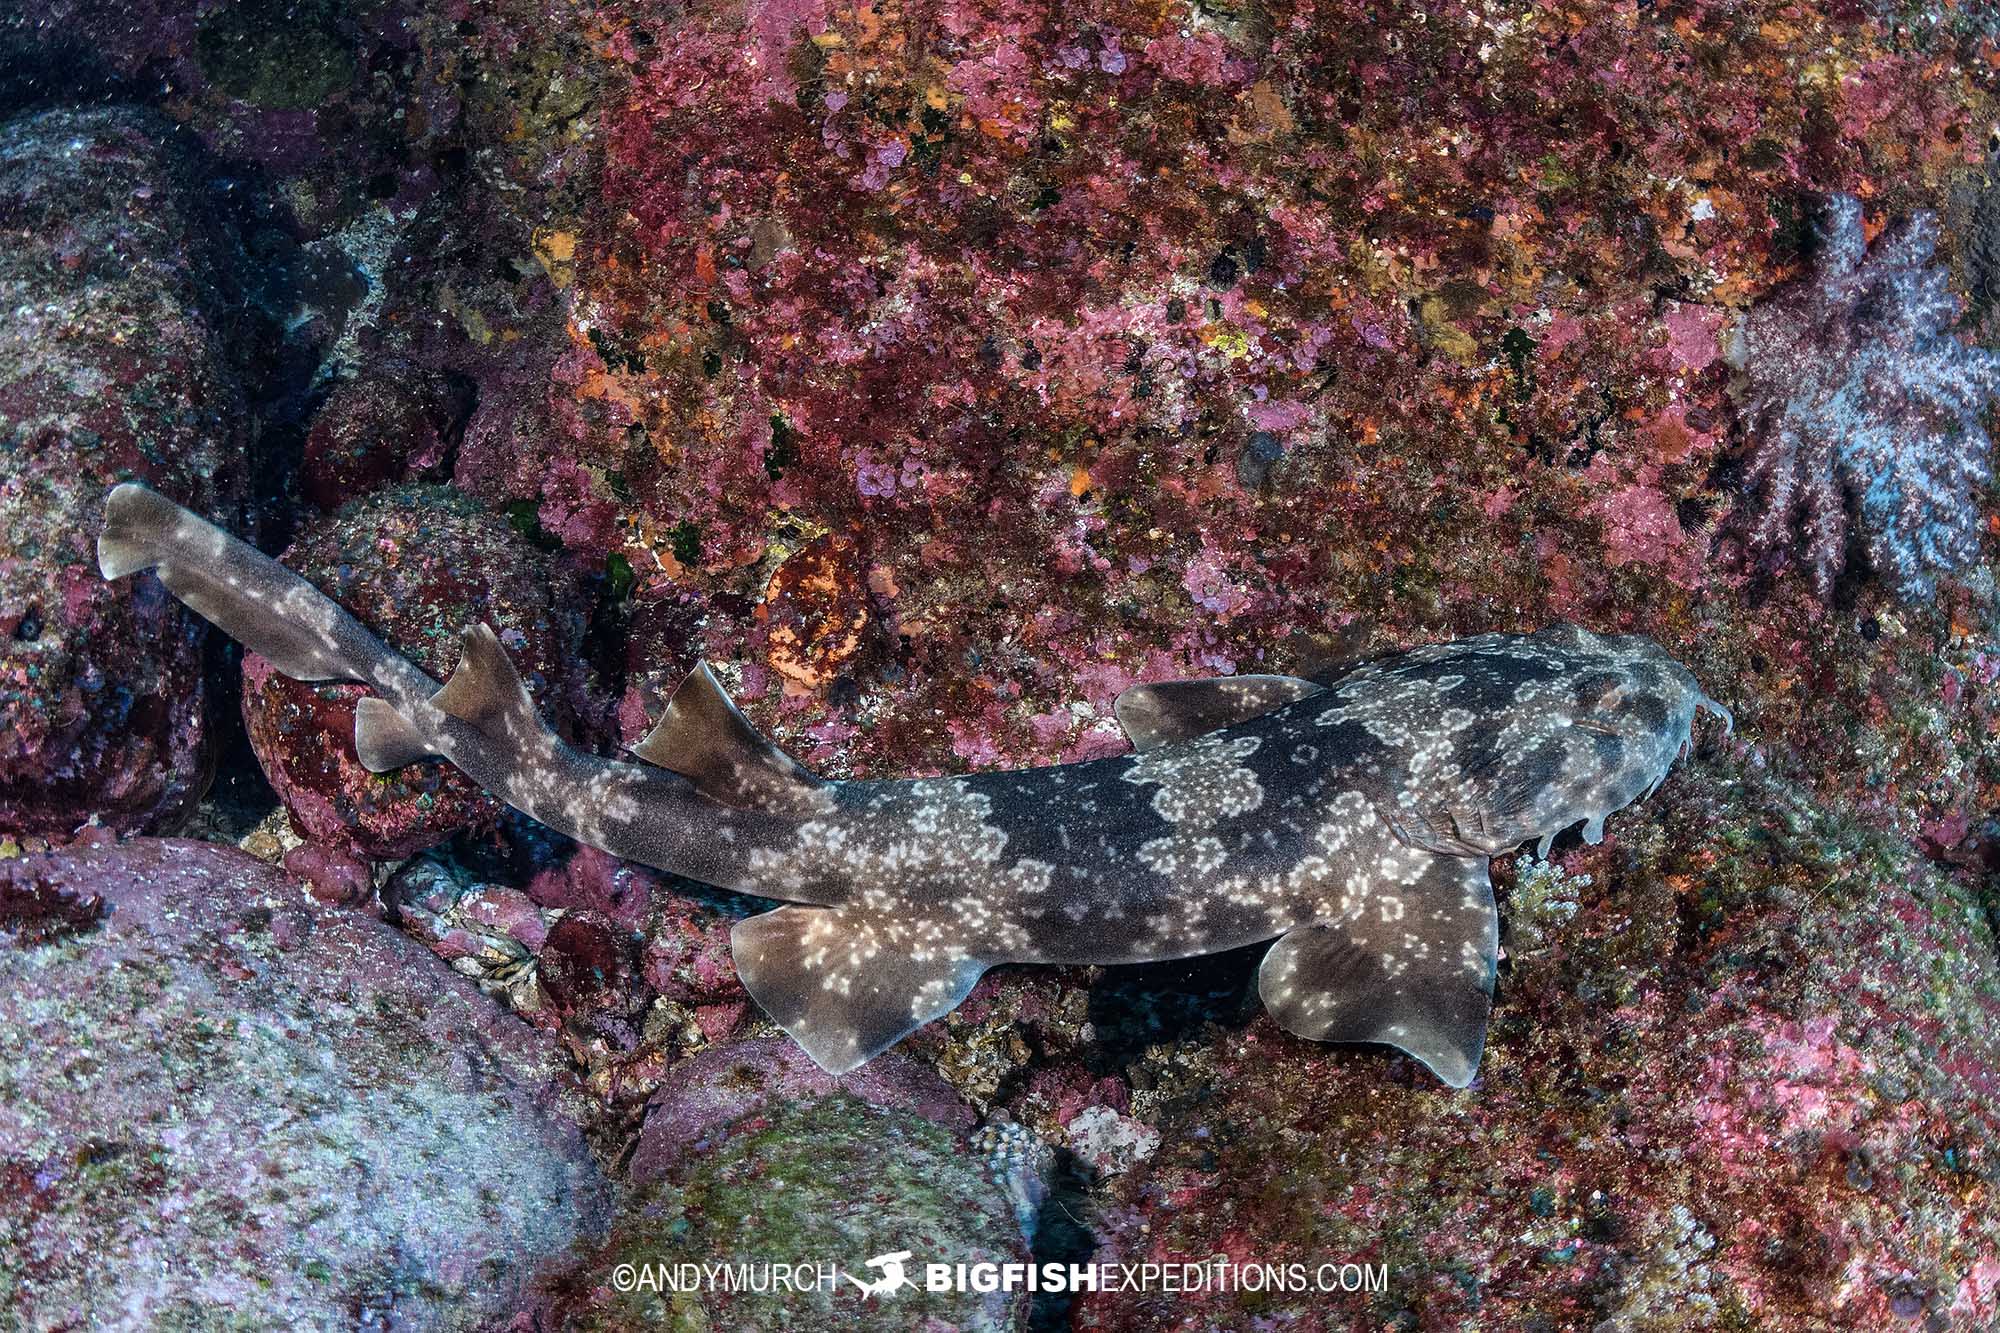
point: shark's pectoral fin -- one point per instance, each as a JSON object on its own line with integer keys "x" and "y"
{"x": 705, "y": 738}
{"x": 384, "y": 739}
{"x": 1177, "y": 710}
{"x": 1413, "y": 969}
{"x": 837, "y": 980}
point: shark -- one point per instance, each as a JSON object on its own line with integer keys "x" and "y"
{"x": 1350, "y": 816}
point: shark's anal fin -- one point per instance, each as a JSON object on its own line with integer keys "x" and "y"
{"x": 1412, "y": 969}
{"x": 705, "y": 738}
{"x": 840, "y": 982}
{"x": 1177, "y": 710}
{"x": 384, "y": 739}
{"x": 486, "y": 692}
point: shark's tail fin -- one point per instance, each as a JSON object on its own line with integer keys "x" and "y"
{"x": 139, "y": 527}
{"x": 246, "y": 594}
{"x": 845, "y": 982}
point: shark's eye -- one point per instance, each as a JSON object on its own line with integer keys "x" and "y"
{"x": 29, "y": 627}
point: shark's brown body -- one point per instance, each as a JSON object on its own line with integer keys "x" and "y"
{"x": 1352, "y": 818}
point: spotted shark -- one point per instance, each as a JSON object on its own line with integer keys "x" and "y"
{"x": 1350, "y": 817}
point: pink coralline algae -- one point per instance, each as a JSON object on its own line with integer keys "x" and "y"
{"x": 1860, "y": 402}
{"x": 1098, "y": 332}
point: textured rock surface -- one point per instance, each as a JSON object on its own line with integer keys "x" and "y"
{"x": 739, "y": 1081}
{"x": 218, "y": 1109}
{"x": 1746, "y": 1079}
{"x": 112, "y": 365}
{"x": 392, "y": 425}
{"x": 753, "y": 1155}
{"x": 417, "y": 565}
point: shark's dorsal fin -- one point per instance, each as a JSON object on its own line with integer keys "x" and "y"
{"x": 1178, "y": 710}
{"x": 486, "y": 692}
{"x": 705, "y": 738}
{"x": 1325, "y": 656}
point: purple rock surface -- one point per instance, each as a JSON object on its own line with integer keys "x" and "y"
{"x": 111, "y": 366}
{"x": 730, "y": 1084}
{"x": 217, "y": 1108}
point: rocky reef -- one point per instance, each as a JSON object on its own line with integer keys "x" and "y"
{"x": 222, "y": 1108}
{"x": 936, "y": 369}
{"x": 113, "y": 363}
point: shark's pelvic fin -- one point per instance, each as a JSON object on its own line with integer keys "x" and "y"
{"x": 1178, "y": 710}
{"x": 705, "y": 738}
{"x": 486, "y": 692}
{"x": 384, "y": 739}
{"x": 1414, "y": 970}
{"x": 841, "y": 982}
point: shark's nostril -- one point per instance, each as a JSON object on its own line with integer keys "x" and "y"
{"x": 29, "y": 627}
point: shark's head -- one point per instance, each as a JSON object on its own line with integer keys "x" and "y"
{"x": 1533, "y": 734}
{"x": 1614, "y": 715}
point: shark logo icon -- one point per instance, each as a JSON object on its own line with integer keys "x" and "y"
{"x": 893, "y": 1277}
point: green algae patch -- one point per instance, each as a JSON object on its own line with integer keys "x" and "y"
{"x": 284, "y": 57}
{"x": 832, "y": 1182}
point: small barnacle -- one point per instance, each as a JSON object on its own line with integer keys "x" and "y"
{"x": 1860, "y": 404}
{"x": 1022, "y": 1162}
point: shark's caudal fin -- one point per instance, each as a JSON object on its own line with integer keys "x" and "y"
{"x": 1414, "y": 970}
{"x": 243, "y": 592}
{"x": 842, "y": 983}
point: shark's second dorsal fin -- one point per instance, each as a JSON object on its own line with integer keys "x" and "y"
{"x": 486, "y": 692}
{"x": 705, "y": 738}
{"x": 1178, "y": 710}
